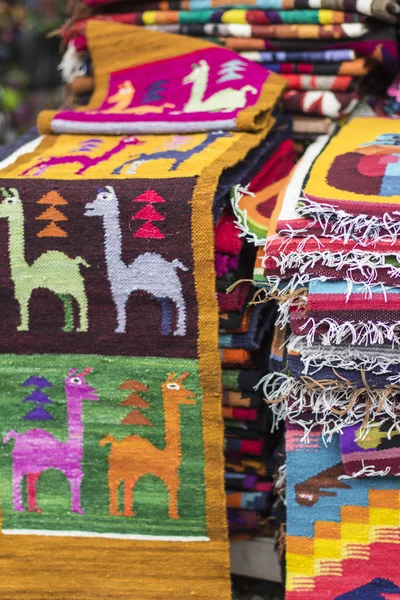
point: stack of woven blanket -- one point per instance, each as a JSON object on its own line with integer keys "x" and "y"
{"x": 330, "y": 53}
{"x": 253, "y": 453}
{"x": 332, "y": 261}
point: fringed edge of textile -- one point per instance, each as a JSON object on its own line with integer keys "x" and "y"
{"x": 367, "y": 263}
{"x": 241, "y": 216}
{"x": 339, "y": 224}
{"x": 351, "y": 358}
{"x": 329, "y": 404}
{"x": 361, "y": 333}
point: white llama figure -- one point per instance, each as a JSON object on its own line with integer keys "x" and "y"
{"x": 226, "y": 100}
{"x": 149, "y": 272}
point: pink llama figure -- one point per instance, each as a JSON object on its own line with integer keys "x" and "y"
{"x": 37, "y": 450}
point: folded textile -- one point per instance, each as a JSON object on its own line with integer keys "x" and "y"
{"x": 378, "y": 44}
{"x": 156, "y": 83}
{"x": 319, "y": 103}
{"x": 382, "y": 361}
{"x": 236, "y": 380}
{"x": 248, "y": 500}
{"x": 305, "y": 124}
{"x": 386, "y": 10}
{"x": 357, "y": 67}
{"x": 310, "y": 32}
{"x": 253, "y": 206}
{"x": 339, "y": 83}
{"x": 224, "y": 16}
{"x": 243, "y": 446}
{"x": 225, "y": 263}
{"x": 260, "y": 322}
{"x": 242, "y": 414}
{"x": 374, "y": 453}
{"x": 323, "y": 56}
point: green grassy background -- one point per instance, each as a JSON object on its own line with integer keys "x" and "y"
{"x": 101, "y": 418}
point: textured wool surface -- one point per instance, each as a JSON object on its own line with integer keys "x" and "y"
{"x": 153, "y": 83}
{"x": 381, "y": 9}
{"x": 357, "y": 170}
{"x": 356, "y": 67}
{"x": 324, "y": 56}
{"x": 224, "y": 16}
{"x": 319, "y": 102}
{"x": 339, "y": 531}
{"x": 129, "y": 306}
{"x": 375, "y": 454}
{"x": 348, "y": 30}
{"x": 339, "y": 83}
{"x": 378, "y": 44}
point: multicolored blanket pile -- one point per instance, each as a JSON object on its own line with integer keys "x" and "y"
{"x": 112, "y": 467}
{"x": 331, "y": 260}
{"x": 339, "y": 51}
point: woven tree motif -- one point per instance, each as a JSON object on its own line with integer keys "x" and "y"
{"x": 149, "y": 214}
{"x": 134, "y": 417}
{"x": 52, "y": 214}
{"x": 39, "y": 397}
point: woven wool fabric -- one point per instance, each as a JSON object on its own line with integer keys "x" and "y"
{"x": 348, "y": 30}
{"x": 227, "y": 16}
{"x": 385, "y": 10}
{"x": 324, "y": 56}
{"x": 357, "y": 68}
{"x": 357, "y": 170}
{"x": 338, "y": 530}
{"x": 253, "y": 209}
{"x": 161, "y": 84}
{"x": 311, "y": 125}
{"x": 373, "y": 454}
{"x": 379, "y": 44}
{"x": 319, "y": 103}
{"x": 339, "y": 83}
{"x": 152, "y": 404}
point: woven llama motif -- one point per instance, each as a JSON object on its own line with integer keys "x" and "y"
{"x": 134, "y": 457}
{"x": 52, "y": 270}
{"x": 149, "y": 272}
{"x": 226, "y": 100}
{"x": 37, "y": 450}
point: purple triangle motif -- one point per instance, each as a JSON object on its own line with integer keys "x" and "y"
{"x": 38, "y": 414}
{"x": 38, "y": 396}
{"x": 37, "y": 381}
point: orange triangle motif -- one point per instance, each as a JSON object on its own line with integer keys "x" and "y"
{"x": 135, "y": 400}
{"x": 52, "y": 230}
{"x": 52, "y": 198}
{"x": 52, "y": 214}
{"x": 135, "y": 418}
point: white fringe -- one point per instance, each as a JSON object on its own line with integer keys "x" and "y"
{"x": 339, "y": 224}
{"x": 359, "y": 333}
{"x": 366, "y": 471}
{"x": 367, "y": 263}
{"x": 291, "y": 399}
{"x": 241, "y": 215}
{"x": 353, "y": 358}
{"x": 71, "y": 65}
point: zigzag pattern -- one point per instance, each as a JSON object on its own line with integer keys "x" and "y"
{"x": 350, "y": 538}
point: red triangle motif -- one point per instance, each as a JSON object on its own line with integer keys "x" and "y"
{"x": 150, "y": 197}
{"x": 148, "y": 213}
{"x": 149, "y": 231}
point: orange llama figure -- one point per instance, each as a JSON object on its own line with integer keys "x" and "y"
{"x": 134, "y": 456}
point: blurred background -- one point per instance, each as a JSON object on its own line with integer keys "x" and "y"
{"x": 29, "y": 55}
